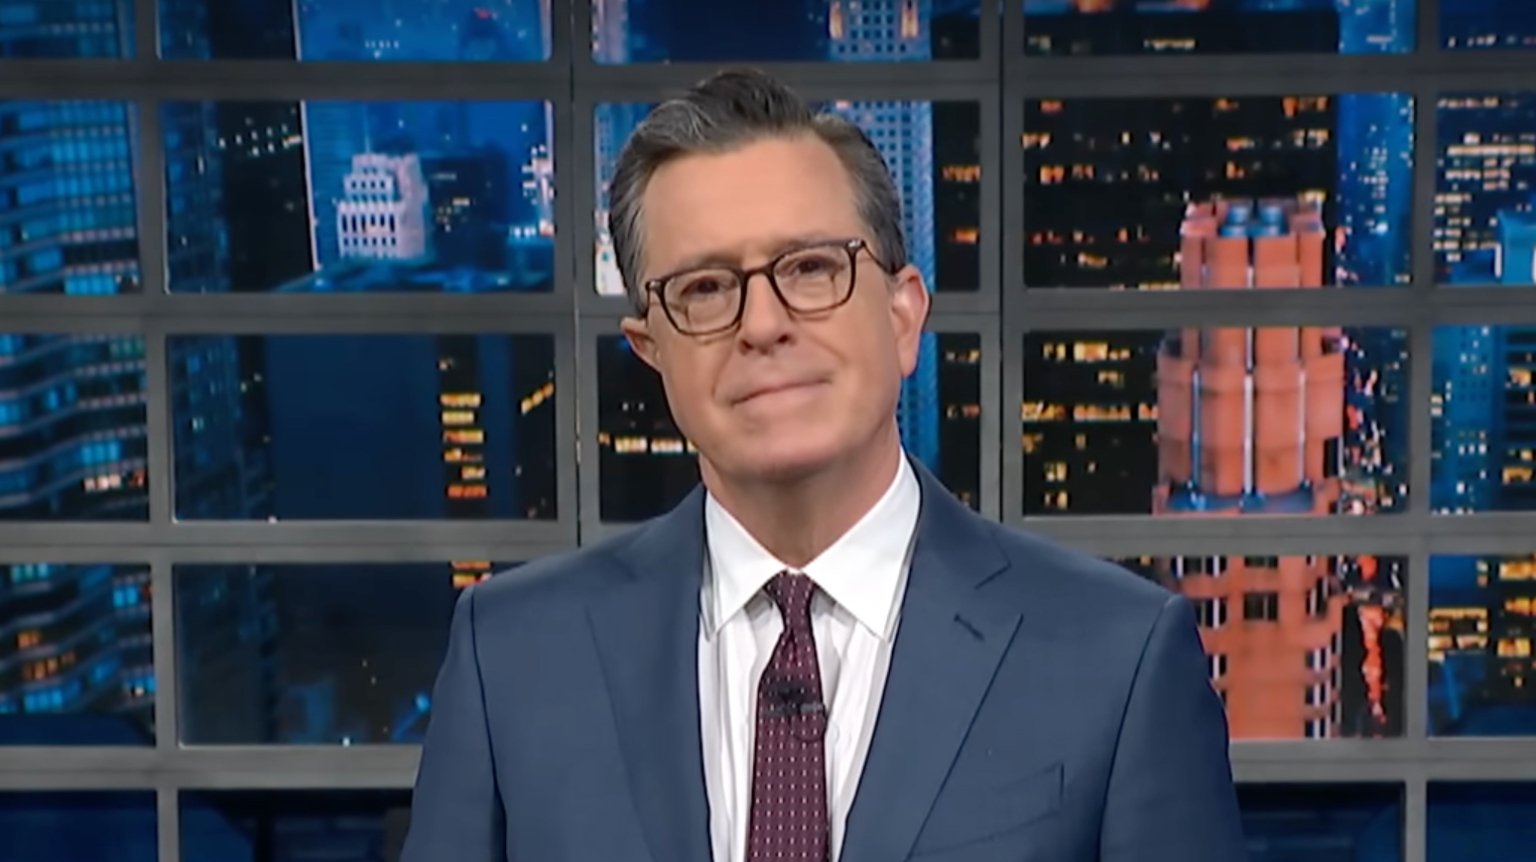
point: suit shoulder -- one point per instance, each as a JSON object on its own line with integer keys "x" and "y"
{"x": 556, "y": 579}
{"x": 1078, "y": 577}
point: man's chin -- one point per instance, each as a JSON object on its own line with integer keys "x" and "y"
{"x": 786, "y": 464}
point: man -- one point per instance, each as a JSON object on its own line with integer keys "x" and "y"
{"x": 820, "y": 654}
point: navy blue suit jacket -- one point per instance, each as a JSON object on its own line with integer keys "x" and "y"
{"x": 1041, "y": 706}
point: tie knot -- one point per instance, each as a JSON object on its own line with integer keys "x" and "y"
{"x": 792, "y": 591}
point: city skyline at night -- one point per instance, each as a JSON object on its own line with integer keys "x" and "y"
{"x": 1299, "y": 647}
{"x": 845, "y": 31}
{"x": 1108, "y": 181}
{"x": 1485, "y": 235}
{"x": 288, "y": 655}
{"x": 354, "y": 208}
{"x": 296, "y": 197}
{"x": 1078, "y": 27}
{"x": 1478, "y": 25}
{"x": 1137, "y": 194}
{"x": 1101, "y": 430}
{"x": 1482, "y": 673}
{"x": 384, "y": 31}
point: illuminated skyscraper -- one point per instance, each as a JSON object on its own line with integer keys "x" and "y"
{"x": 611, "y": 33}
{"x": 1485, "y": 233}
{"x": 78, "y": 642}
{"x": 67, "y": 225}
{"x": 76, "y": 638}
{"x": 1516, "y": 262}
{"x": 1484, "y": 24}
{"x": 83, "y": 29}
{"x": 383, "y": 214}
{"x": 1481, "y": 629}
{"x": 461, "y": 402}
{"x": 1250, "y": 420}
{"x": 613, "y": 124}
{"x": 1463, "y": 407}
{"x": 1485, "y": 168}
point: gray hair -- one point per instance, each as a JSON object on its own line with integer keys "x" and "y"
{"x": 729, "y": 110}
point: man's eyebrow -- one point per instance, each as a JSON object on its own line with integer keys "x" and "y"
{"x": 714, "y": 258}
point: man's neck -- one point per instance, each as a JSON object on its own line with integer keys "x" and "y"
{"x": 796, "y": 520}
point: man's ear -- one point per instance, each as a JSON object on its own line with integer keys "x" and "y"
{"x": 638, "y": 333}
{"x": 910, "y": 305}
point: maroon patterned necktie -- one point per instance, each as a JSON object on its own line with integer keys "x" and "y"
{"x": 789, "y": 776}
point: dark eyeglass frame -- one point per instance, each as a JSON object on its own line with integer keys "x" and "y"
{"x": 657, "y": 286}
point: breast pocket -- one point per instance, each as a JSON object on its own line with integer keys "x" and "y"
{"x": 974, "y": 811}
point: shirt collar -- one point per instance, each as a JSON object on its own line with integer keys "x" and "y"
{"x": 862, "y": 571}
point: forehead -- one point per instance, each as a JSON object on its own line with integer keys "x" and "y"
{"x": 746, "y": 201}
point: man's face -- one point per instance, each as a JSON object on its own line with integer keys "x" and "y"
{"x": 783, "y": 394}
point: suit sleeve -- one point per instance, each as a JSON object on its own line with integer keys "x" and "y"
{"x": 456, "y": 811}
{"x": 1171, "y": 794}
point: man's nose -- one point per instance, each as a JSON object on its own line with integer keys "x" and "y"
{"x": 763, "y": 317}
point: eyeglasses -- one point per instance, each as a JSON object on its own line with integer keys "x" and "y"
{"x": 807, "y": 280}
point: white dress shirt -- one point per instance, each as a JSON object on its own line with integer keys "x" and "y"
{"x": 861, "y": 580}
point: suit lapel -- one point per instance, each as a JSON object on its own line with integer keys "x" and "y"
{"x": 948, "y": 647}
{"x": 646, "y": 631}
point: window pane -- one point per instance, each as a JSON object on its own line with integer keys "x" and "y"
{"x": 1471, "y": 25}
{"x": 313, "y": 654}
{"x": 1485, "y": 201}
{"x": 1323, "y": 659}
{"x": 356, "y": 30}
{"x": 1481, "y": 669}
{"x": 1218, "y": 421}
{"x": 1200, "y": 193}
{"x": 364, "y": 426}
{"x": 1257, "y": 27}
{"x": 72, "y": 428}
{"x": 66, "y": 29}
{"x": 1483, "y": 449}
{"x": 76, "y": 663}
{"x": 1481, "y": 821}
{"x": 67, "y": 208}
{"x": 646, "y": 467}
{"x": 933, "y": 150}
{"x": 884, "y": 31}
{"x": 80, "y": 827}
{"x": 286, "y": 826}
{"x": 351, "y": 197}
{"x": 1322, "y": 822}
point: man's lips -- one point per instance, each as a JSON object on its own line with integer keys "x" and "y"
{"x": 774, "y": 389}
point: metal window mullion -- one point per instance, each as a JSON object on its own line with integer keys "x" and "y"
{"x": 1416, "y": 644}
{"x": 168, "y": 820}
{"x": 994, "y": 418}
{"x": 437, "y": 551}
{"x": 564, "y": 45}
{"x": 146, "y": 37}
{"x": 994, "y": 187}
{"x": 163, "y": 624}
{"x": 1013, "y": 298}
{"x": 396, "y": 535}
{"x": 672, "y": 78}
{"x": 384, "y": 766}
{"x": 584, "y": 201}
{"x": 1415, "y": 815}
{"x": 1427, "y": 30}
{"x": 152, "y": 227}
{"x": 281, "y": 80}
{"x": 568, "y": 385}
{"x": 588, "y": 407}
{"x": 386, "y": 315}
